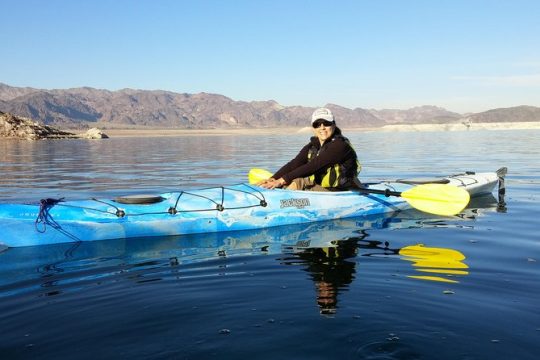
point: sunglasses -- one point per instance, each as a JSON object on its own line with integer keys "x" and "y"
{"x": 317, "y": 124}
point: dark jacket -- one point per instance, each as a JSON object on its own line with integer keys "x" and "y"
{"x": 335, "y": 150}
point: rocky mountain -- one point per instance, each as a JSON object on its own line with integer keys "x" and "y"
{"x": 88, "y": 107}
{"x": 418, "y": 115}
{"x": 514, "y": 114}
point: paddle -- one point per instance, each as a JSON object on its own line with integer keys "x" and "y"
{"x": 256, "y": 175}
{"x": 439, "y": 199}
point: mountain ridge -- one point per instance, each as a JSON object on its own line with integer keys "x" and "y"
{"x": 85, "y": 107}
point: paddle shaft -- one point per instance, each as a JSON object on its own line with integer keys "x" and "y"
{"x": 385, "y": 192}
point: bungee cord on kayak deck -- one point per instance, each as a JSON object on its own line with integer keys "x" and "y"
{"x": 43, "y": 214}
{"x": 219, "y": 206}
{"x": 45, "y": 218}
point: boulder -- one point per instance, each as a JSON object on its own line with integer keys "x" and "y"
{"x": 94, "y": 133}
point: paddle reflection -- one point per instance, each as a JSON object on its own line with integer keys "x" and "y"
{"x": 441, "y": 262}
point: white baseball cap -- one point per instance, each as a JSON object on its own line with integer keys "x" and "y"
{"x": 323, "y": 114}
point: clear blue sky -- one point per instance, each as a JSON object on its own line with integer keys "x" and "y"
{"x": 463, "y": 55}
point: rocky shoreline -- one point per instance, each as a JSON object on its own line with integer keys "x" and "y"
{"x": 15, "y": 127}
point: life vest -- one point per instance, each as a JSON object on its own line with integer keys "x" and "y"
{"x": 338, "y": 175}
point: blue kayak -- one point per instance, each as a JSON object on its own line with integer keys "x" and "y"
{"x": 218, "y": 209}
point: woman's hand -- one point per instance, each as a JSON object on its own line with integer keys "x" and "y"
{"x": 264, "y": 181}
{"x": 272, "y": 183}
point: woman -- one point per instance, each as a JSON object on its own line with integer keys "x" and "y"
{"x": 327, "y": 163}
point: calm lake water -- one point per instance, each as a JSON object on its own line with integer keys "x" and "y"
{"x": 257, "y": 294}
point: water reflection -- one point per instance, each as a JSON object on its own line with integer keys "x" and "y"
{"x": 78, "y": 168}
{"x": 329, "y": 267}
{"x": 327, "y": 251}
{"x": 440, "y": 261}
{"x": 333, "y": 267}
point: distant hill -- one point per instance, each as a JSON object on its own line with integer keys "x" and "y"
{"x": 522, "y": 113}
{"x": 418, "y": 115}
{"x": 88, "y": 107}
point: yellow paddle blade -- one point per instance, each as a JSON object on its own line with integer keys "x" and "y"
{"x": 256, "y": 175}
{"x": 439, "y": 199}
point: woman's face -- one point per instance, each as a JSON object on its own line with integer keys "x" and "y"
{"x": 323, "y": 129}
